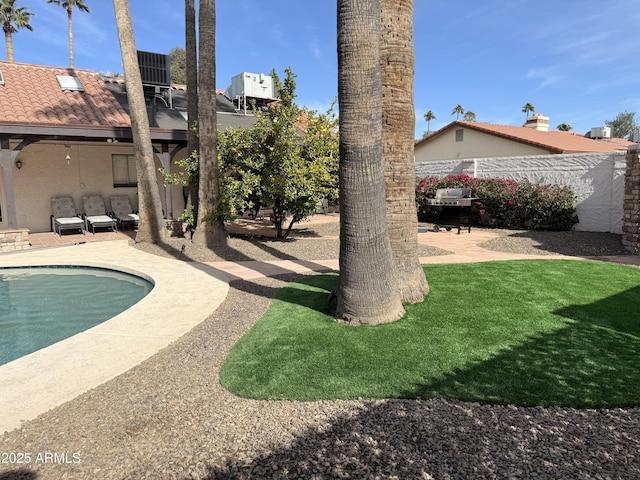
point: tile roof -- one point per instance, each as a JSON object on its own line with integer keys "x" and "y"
{"x": 31, "y": 95}
{"x": 553, "y": 140}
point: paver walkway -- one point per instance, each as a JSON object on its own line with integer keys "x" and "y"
{"x": 464, "y": 247}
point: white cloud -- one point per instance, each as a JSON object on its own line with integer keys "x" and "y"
{"x": 547, "y": 75}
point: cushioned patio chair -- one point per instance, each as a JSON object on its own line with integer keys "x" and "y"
{"x": 123, "y": 212}
{"x": 65, "y": 216}
{"x": 95, "y": 214}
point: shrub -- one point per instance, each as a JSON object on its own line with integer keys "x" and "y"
{"x": 505, "y": 203}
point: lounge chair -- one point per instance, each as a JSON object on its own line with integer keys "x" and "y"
{"x": 122, "y": 211}
{"x": 95, "y": 214}
{"x": 65, "y": 215}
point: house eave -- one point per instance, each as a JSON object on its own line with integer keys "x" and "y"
{"x": 85, "y": 133}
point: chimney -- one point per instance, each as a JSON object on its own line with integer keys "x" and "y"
{"x": 537, "y": 121}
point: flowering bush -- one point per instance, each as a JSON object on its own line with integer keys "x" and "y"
{"x": 505, "y": 203}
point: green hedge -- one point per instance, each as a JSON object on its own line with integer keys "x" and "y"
{"x": 506, "y": 203}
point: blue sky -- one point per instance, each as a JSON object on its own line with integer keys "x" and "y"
{"x": 574, "y": 60}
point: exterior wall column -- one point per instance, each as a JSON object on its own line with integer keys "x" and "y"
{"x": 165, "y": 161}
{"x": 7, "y": 157}
{"x": 631, "y": 209}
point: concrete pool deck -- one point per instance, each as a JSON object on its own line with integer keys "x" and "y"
{"x": 184, "y": 295}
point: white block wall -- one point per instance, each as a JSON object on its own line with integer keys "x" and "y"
{"x": 596, "y": 178}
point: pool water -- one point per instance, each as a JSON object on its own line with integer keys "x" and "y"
{"x": 40, "y": 306}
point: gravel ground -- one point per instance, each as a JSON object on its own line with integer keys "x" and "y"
{"x": 579, "y": 244}
{"x": 168, "y": 418}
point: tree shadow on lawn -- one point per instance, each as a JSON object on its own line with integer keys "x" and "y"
{"x": 592, "y": 362}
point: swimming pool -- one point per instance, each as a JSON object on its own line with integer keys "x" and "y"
{"x": 40, "y": 306}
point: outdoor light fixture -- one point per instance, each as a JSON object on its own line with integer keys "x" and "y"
{"x": 18, "y": 164}
{"x": 112, "y": 140}
{"x": 68, "y": 157}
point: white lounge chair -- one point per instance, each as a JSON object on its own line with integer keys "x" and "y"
{"x": 65, "y": 215}
{"x": 95, "y": 214}
{"x": 123, "y": 211}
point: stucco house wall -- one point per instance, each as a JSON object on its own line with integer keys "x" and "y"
{"x": 45, "y": 173}
{"x": 597, "y": 179}
{"x": 474, "y": 144}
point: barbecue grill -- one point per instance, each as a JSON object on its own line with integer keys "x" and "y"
{"x": 453, "y": 206}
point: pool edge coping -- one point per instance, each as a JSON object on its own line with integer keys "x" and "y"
{"x": 184, "y": 295}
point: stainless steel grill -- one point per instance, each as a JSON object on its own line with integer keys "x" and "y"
{"x": 453, "y": 207}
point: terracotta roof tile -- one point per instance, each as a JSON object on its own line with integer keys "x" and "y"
{"x": 552, "y": 140}
{"x": 32, "y": 95}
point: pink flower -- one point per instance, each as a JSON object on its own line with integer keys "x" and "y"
{"x": 482, "y": 212}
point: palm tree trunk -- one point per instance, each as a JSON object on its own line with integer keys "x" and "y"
{"x": 210, "y": 231}
{"x": 151, "y": 227}
{"x": 9, "y": 42}
{"x": 192, "y": 95}
{"x": 398, "y": 129}
{"x": 70, "y": 26}
{"x": 367, "y": 291}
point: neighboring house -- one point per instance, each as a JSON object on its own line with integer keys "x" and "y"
{"x": 68, "y": 132}
{"x": 465, "y": 140}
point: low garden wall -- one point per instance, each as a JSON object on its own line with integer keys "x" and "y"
{"x": 597, "y": 179}
{"x": 14, "y": 239}
{"x": 631, "y": 222}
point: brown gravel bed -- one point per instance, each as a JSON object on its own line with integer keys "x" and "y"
{"x": 169, "y": 418}
{"x": 579, "y": 244}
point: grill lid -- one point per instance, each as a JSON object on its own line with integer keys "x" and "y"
{"x": 453, "y": 193}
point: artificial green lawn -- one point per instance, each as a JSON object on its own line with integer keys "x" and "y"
{"x": 526, "y": 332}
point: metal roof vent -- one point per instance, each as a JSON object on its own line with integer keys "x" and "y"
{"x": 1, "y": 78}
{"x": 154, "y": 68}
{"x": 67, "y": 82}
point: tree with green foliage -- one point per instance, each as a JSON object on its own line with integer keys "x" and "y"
{"x": 624, "y": 125}
{"x": 13, "y": 19}
{"x": 527, "y": 109}
{"x": 178, "y": 68}
{"x": 469, "y": 116}
{"x": 457, "y": 110}
{"x": 68, "y": 5}
{"x": 428, "y": 117}
{"x": 288, "y": 162}
{"x": 277, "y": 166}
{"x": 564, "y": 127}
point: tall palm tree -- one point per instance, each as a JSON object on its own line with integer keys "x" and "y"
{"x": 210, "y": 231}
{"x": 68, "y": 5}
{"x": 367, "y": 289}
{"x": 193, "y": 144}
{"x": 13, "y": 19}
{"x": 458, "y": 110}
{"x": 151, "y": 227}
{"x": 428, "y": 117}
{"x": 397, "y": 61}
{"x": 528, "y": 108}
{"x": 469, "y": 116}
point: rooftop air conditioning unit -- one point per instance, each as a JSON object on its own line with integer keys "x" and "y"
{"x": 635, "y": 137}
{"x": 601, "y": 132}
